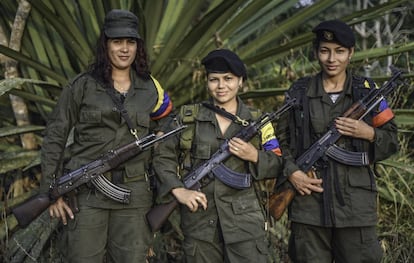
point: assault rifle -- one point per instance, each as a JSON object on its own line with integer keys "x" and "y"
{"x": 90, "y": 172}
{"x": 325, "y": 146}
{"x": 160, "y": 213}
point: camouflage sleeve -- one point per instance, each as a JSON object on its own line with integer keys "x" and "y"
{"x": 270, "y": 161}
{"x": 165, "y": 164}
{"x": 59, "y": 126}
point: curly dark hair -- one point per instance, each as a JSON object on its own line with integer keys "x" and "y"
{"x": 101, "y": 68}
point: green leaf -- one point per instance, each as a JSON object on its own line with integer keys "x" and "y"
{"x": 16, "y": 130}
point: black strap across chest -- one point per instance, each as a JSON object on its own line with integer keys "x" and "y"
{"x": 234, "y": 118}
{"x": 120, "y": 106}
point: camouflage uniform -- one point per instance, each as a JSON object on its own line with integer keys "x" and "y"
{"x": 104, "y": 225}
{"x": 232, "y": 227}
{"x": 342, "y": 219}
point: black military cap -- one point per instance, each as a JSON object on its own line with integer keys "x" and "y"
{"x": 121, "y": 23}
{"x": 335, "y": 31}
{"x": 222, "y": 61}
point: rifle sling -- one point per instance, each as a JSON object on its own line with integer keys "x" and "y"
{"x": 236, "y": 119}
{"x": 118, "y": 177}
{"x": 120, "y": 106}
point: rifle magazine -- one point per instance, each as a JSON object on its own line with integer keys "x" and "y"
{"x": 111, "y": 190}
{"x": 347, "y": 157}
{"x": 232, "y": 178}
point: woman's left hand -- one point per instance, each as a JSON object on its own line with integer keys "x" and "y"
{"x": 243, "y": 150}
{"x": 355, "y": 128}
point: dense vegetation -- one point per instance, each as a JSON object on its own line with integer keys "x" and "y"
{"x": 43, "y": 43}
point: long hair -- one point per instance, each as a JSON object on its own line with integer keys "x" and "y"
{"x": 101, "y": 68}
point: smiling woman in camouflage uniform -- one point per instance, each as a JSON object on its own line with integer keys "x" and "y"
{"x": 103, "y": 227}
{"x": 334, "y": 216}
{"x": 220, "y": 223}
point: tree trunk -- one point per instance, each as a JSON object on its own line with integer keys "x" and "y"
{"x": 19, "y": 106}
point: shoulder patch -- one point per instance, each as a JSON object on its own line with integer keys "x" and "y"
{"x": 164, "y": 105}
{"x": 369, "y": 83}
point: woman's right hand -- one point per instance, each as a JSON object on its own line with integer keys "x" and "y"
{"x": 192, "y": 199}
{"x": 60, "y": 209}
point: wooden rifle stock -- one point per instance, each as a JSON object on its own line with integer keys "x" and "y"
{"x": 32, "y": 208}
{"x": 159, "y": 214}
{"x": 279, "y": 201}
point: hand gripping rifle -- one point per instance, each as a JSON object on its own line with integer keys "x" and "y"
{"x": 326, "y": 145}
{"x": 90, "y": 172}
{"x": 157, "y": 216}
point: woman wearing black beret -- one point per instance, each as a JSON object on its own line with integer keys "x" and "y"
{"x": 334, "y": 215}
{"x": 220, "y": 223}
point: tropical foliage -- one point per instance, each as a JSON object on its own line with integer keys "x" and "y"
{"x": 44, "y": 43}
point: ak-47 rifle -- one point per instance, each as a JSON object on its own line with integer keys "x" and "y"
{"x": 326, "y": 146}
{"x": 159, "y": 214}
{"x": 90, "y": 172}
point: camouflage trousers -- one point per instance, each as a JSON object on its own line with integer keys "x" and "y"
{"x": 313, "y": 244}
{"x": 247, "y": 251}
{"x": 118, "y": 235}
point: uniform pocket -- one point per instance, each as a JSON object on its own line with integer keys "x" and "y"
{"x": 241, "y": 206}
{"x": 135, "y": 170}
{"x": 90, "y": 127}
{"x": 90, "y": 116}
{"x": 202, "y": 151}
{"x": 262, "y": 247}
{"x": 360, "y": 177}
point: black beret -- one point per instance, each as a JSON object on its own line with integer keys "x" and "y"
{"x": 335, "y": 31}
{"x": 121, "y": 23}
{"x": 222, "y": 61}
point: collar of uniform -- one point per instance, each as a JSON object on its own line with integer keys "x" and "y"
{"x": 99, "y": 84}
{"x": 348, "y": 82}
{"x": 242, "y": 110}
{"x": 315, "y": 87}
{"x": 133, "y": 76}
